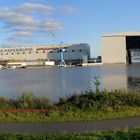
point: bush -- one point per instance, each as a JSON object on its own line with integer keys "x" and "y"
{"x": 101, "y": 100}
{"x": 86, "y": 101}
{"x": 26, "y": 101}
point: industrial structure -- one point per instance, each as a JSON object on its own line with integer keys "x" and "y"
{"x": 72, "y": 53}
{"x": 122, "y": 47}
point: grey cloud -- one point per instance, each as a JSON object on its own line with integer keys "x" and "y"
{"x": 31, "y": 8}
{"x": 22, "y": 37}
{"x": 40, "y": 26}
{"x": 68, "y": 10}
{"x": 23, "y": 22}
{"x": 50, "y": 25}
{"x": 12, "y": 18}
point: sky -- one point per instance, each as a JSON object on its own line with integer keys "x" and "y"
{"x": 43, "y": 22}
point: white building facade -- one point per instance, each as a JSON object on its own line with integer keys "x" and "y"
{"x": 72, "y": 53}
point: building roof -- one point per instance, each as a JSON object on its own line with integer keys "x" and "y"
{"x": 38, "y": 46}
{"x": 122, "y": 34}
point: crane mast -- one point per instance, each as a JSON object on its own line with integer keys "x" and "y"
{"x": 61, "y": 50}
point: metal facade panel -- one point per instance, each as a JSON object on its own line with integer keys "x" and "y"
{"x": 114, "y": 49}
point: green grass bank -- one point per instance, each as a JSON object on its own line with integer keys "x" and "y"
{"x": 89, "y": 105}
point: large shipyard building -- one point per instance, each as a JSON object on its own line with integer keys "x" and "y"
{"x": 73, "y": 54}
{"x": 122, "y": 47}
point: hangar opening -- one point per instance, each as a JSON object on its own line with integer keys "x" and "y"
{"x": 133, "y": 49}
{"x": 122, "y": 47}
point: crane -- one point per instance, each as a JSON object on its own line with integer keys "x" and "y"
{"x": 61, "y": 50}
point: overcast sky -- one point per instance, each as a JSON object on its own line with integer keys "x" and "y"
{"x": 35, "y": 22}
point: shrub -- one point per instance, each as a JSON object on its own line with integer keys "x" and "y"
{"x": 100, "y": 101}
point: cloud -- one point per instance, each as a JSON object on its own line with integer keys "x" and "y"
{"x": 42, "y": 26}
{"x": 31, "y": 8}
{"x": 20, "y": 35}
{"x": 29, "y": 19}
{"x": 50, "y": 25}
{"x": 12, "y": 19}
{"x": 19, "y": 21}
{"x": 68, "y": 10}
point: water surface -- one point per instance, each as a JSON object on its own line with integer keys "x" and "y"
{"x": 58, "y": 82}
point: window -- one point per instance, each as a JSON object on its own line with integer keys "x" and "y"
{"x": 36, "y": 52}
{"x": 1, "y": 54}
{"x": 6, "y": 53}
{"x": 12, "y": 53}
{"x": 43, "y": 51}
{"x": 72, "y": 50}
{"x": 80, "y": 50}
{"x": 58, "y": 51}
{"x": 18, "y": 53}
{"x": 23, "y": 52}
{"x": 50, "y": 51}
{"x": 29, "y": 52}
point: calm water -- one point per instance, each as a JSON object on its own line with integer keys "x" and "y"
{"x": 57, "y": 82}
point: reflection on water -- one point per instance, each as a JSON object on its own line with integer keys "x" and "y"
{"x": 115, "y": 82}
{"x": 114, "y": 76}
{"x": 133, "y": 83}
{"x": 57, "y": 82}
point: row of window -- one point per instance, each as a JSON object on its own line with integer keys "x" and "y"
{"x": 37, "y": 52}
{"x": 18, "y": 53}
{"x": 66, "y": 51}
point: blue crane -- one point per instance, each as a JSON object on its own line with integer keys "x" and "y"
{"x": 61, "y": 50}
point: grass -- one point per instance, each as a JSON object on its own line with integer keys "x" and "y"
{"x": 69, "y": 116}
{"x": 126, "y": 134}
{"x": 87, "y": 106}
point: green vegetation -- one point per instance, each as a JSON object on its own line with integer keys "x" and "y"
{"x": 89, "y": 105}
{"x": 26, "y": 101}
{"x": 132, "y": 134}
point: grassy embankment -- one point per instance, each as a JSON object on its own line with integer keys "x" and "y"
{"x": 89, "y": 105}
{"x": 132, "y": 134}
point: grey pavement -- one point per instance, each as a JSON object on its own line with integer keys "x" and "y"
{"x": 69, "y": 127}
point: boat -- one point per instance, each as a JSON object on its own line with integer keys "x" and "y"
{"x": 14, "y": 65}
